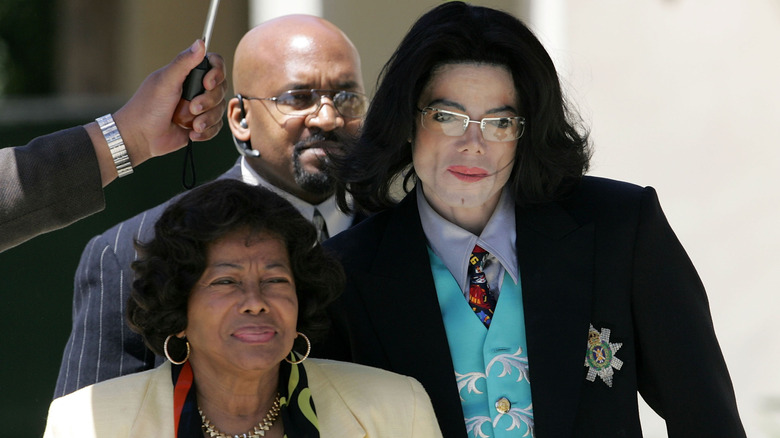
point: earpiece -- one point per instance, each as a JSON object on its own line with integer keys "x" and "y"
{"x": 244, "y": 147}
{"x": 243, "y": 122}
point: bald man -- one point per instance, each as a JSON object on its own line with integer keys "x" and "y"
{"x": 300, "y": 90}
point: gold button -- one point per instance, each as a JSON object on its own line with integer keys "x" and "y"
{"x": 503, "y": 405}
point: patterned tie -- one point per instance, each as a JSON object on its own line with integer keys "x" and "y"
{"x": 480, "y": 298}
{"x": 320, "y": 225}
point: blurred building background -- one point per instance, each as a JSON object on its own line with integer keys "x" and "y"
{"x": 682, "y": 95}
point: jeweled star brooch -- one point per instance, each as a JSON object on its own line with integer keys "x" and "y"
{"x": 600, "y": 356}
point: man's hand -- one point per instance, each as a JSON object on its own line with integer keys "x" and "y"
{"x": 146, "y": 120}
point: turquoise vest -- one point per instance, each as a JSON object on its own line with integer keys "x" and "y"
{"x": 491, "y": 366}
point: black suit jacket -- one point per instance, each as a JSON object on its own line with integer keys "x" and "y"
{"x": 604, "y": 256}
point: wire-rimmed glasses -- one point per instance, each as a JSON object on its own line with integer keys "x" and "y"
{"x": 454, "y": 124}
{"x": 301, "y": 103}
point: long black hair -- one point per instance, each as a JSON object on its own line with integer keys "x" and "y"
{"x": 552, "y": 154}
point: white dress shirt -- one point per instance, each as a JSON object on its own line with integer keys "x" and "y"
{"x": 453, "y": 244}
{"x": 336, "y": 220}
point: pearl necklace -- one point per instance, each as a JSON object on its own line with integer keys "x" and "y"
{"x": 258, "y": 431}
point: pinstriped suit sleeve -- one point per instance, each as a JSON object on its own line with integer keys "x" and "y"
{"x": 101, "y": 346}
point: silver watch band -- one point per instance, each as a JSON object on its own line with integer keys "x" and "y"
{"x": 116, "y": 145}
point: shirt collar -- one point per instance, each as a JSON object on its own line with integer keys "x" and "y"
{"x": 453, "y": 244}
{"x": 336, "y": 220}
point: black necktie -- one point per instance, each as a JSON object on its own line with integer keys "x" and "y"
{"x": 320, "y": 225}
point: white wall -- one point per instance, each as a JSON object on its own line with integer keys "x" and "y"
{"x": 685, "y": 96}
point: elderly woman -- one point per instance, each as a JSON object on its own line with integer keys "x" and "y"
{"x": 233, "y": 277}
{"x": 525, "y": 297}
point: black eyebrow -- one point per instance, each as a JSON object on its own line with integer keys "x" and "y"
{"x": 225, "y": 265}
{"x": 237, "y": 265}
{"x": 348, "y": 86}
{"x": 462, "y": 108}
{"x": 448, "y": 103}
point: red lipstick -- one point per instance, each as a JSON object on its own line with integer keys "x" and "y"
{"x": 468, "y": 174}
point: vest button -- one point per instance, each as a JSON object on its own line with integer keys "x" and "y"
{"x": 503, "y": 405}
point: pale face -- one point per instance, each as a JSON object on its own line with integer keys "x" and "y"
{"x": 242, "y": 312}
{"x": 462, "y": 177}
{"x": 292, "y": 149}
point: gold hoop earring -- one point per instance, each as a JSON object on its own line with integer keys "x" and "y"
{"x": 308, "y": 350}
{"x": 168, "y": 356}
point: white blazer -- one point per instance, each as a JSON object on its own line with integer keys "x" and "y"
{"x": 351, "y": 401}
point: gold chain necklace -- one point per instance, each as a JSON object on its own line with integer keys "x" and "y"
{"x": 258, "y": 431}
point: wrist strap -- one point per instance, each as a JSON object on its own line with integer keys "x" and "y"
{"x": 116, "y": 145}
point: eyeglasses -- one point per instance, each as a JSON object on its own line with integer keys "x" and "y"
{"x": 454, "y": 124}
{"x": 301, "y": 103}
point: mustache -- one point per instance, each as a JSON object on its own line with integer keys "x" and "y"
{"x": 337, "y": 139}
{"x": 312, "y": 140}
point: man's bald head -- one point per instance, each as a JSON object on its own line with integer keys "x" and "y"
{"x": 288, "y": 37}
